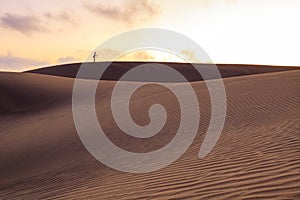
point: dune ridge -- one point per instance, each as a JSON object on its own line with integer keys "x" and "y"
{"x": 117, "y": 69}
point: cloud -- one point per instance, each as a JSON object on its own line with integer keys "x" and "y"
{"x": 190, "y": 55}
{"x": 67, "y": 59}
{"x": 62, "y": 16}
{"x": 129, "y": 12}
{"x": 23, "y": 24}
{"x": 114, "y": 55}
{"x": 138, "y": 56}
{"x": 13, "y": 63}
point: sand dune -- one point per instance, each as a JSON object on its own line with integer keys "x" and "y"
{"x": 117, "y": 69}
{"x": 256, "y": 157}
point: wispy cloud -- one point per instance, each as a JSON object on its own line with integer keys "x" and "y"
{"x": 22, "y": 23}
{"x": 14, "y": 63}
{"x": 138, "y": 56}
{"x": 66, "y": 59}
{"x": 129, "y": 12}
{"x": 112, "y": 54}
{"x": 60, "y": 16}
{"x": 190, "y": 55}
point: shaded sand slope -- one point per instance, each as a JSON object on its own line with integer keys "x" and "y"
{"x": 20, "y": 92}
{"x": 257, "y": 155}
{"x": 117, "y": 69}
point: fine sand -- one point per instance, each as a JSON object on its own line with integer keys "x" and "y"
{"x": 256, "y": 157}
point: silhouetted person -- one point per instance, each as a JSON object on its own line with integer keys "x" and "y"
{"x": 95, "y": 56}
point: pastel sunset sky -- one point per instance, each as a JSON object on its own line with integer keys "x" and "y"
{"x": 37, "y": 33}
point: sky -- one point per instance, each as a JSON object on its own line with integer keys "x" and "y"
{"x": 36, "y": 33}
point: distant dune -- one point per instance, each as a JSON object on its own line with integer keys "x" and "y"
{"x": 256, "y": 157}
{"x": 117, "y": 69}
